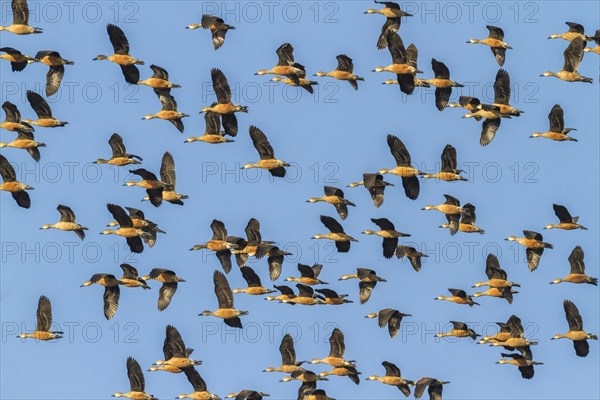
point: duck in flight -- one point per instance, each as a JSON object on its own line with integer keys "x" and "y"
{"x": 67, "y": 222}
{"x": 44, "y": 322}
{"x": 121, "y": 55}
{"x": 217, "y": 27}
{"x": 20, "y": 24}
{"x": 267, "y": 155}
{"x": 224, "y": 106}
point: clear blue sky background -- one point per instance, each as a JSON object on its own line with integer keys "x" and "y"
{"x": 332, "y": 138}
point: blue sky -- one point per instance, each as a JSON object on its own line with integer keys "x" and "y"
{"x": 330, "y": 138}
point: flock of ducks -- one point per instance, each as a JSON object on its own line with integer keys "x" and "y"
{"x": 221, "y": 123}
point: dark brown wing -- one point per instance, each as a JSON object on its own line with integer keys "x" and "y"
{"x": 488, "y": 131}
{"x": 470, "y": 103}
{"x": 469, "y": 217}
{"x": 6, "y": 170}
{"x": 342, "y": 247}
{"x": 450, "y": 200}
{"x": 275, "y": 262}
{"x": 230, "y": 124}
{"x": 135, "y": 375}
{"x": 420, "y": 386}
{"x": 307, "y": 388}
{"x": 131, "y": 73}
{"x": 328, "y": 293}
{"x": 53, "y": 79}
{"x": 165, "y": 294}
{"x": 582, "y": 347}
{"x": 219, "y": 231}
{"x": 12, "y": 112}
{"x": 389, "y": 4}
{"x": 449, "y": 159}
{"x": 493, "y": 269}
{"x": 385, "y": 315}
{"x": 573, "y": 317}
{"x": 120, "y": 215}
{"x": 383, "y": 223}
{"x": 575, "y": 27}
{"x": 34, "y": 152}
{"x": 194, "y": 378}
{"x": 374, "y": 184}
{"x": 342, "y": 210}
{"x": 502, "y": 87}
{"x": 159, "y": 72}
{"x": 44, "y": 314}
{"x": 333, "y": 191}
{"x": 220, "y": 86}
{"x": 453, "y": 223}
{"x": 286, "y": 348}
{"x": 144, "y": 174}
{"x": 20, "y": 12}
{"x": 576, "y": 261}
{"x": 117, "y": 146}
{"x": 344, "y": 63}
{"x": 573, "y": 55}
{"x": 117, "y": 39}
{"x": 412, "y": 254}
{"x": 396, "y": 48}
{"x": 224, "y": 257}
{"x": 66, "y": 214}
{"x": 167, "y": 101}
{"x": 495, "y": 32}
{"x": 285, "y": 52}
{"x": 39, "y": 105}
{"x": 129, "y": 272}
{"x": 406, "y": 83}
{"x": 413, "y": 54}
{"x": 278, "y": 172}
{"x": 306, "y": 271}
{"x": 252, "y": 231}
{"x": 135, "y": 244}
{"x": 442, "y": 96}
{"x": 459, "y": 325}
{"x": 562, "y": 213}
{"x": 218, "y": 38}
{"x": 533, "y": 258}
{"x": 399, "y": 151}
{"x": 440, "y": 69}
{"x": 515, "y": 326}
{"x": 336, "y": 344}
{"x": 557, "y": 119}
{"x": 365, "y": 290}
{"x": 155, "y": 196}
{"x": 222, "y": 290}
{"x": 391, "y": 369}
{"x": 499, "y": 54}
{"x": 285, "y": 290}
{"x": 251, "y": 278}
{"x": 134, "y": 213}
{"x": 261, "y": 144}
{"x": 331, "y": 224}
{"x": 111, "y": 301}
{"x": 304, "y": 290}
{"x": 167, "y": 170}
{"x": 213, "y": 123}
{"x": 174, "y": 342}
{"x": 390, "y": 25}
{"x": 533, "y": 235}
{"x": 393, "y": 323}
{"x": 458, "y": 293}
{"x": 209, "y": 20}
